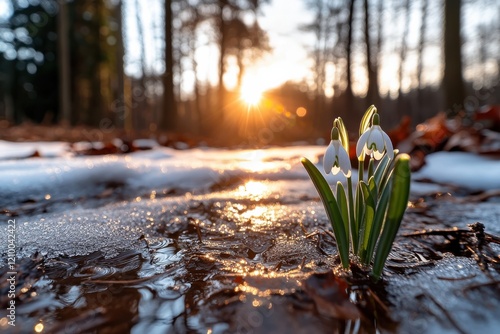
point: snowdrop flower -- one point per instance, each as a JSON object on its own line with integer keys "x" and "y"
{"x": 375, "y": 141}
{"x": 336, "y": 158}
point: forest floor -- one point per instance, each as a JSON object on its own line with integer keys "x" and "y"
{"x": 211, "y": 240}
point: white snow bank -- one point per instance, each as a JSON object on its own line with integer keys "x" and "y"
{"x": 161, "y": 168}
{"x": 468, "y": 170}
{"x": 10, "y": 150}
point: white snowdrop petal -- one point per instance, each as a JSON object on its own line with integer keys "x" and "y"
{"x": 329, "y": 158}
{"x": 336, "y": 145}
{"x": 367, "y": 150}
{"x": 335, "y": 170}
{"x": 361, "y": 145}
{"x": 344, "y": 161}
{"x": 377, "y": 139}
{"x": 388, "y": 145}
{"x": 378, "y": 154}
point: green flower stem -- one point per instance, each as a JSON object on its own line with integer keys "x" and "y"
{"x": 369, "y": 213}
{"x": 361, "y": 168}
{"x": 365, "y": 121}
{"x": 371, "y": 167}
{"x": 343, "y": 206}
{"x": 352, "y": 219}
{"x": 377, "y": 222}
{"x": 400, "y": 191}
{"x": 358, "y": 221}
{"x": 382, "y": 171}
{"x": 332, "y": 210}
{"x": 370, "y": 200}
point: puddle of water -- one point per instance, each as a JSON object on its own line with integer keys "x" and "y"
{"x": 214, "y": 263}
{"x": 222, "y": 257}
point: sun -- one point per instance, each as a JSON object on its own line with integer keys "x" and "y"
{"x": 251, "y": 94}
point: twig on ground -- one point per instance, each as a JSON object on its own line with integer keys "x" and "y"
{"x": 456, "y": 278}
{"x": 480, "y": 285}
{"x": 303, "y": 263}
{"x": 441, "y": 232}
{"x": 485, "y": 195}
{"x": 278, "y": 266}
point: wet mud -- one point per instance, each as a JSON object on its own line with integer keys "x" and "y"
{"x": 253, "y": 257}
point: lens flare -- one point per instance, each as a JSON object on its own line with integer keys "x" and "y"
{"x": 251, "y": 94}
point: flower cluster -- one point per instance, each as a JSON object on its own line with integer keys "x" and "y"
{"x": 366, "y": 218}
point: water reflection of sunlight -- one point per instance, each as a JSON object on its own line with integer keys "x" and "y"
{"x": 38, "y": 328}
{"x": 253, "y": 161}
{"x": 257, "y": 215}
{"x": 254, "y": 190}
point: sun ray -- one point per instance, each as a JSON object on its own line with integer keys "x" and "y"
{"x": 251, "y": 91}
{"x": 251, "y": 94}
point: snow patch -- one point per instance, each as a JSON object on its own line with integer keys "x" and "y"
{"x": 71, "y": 177}
{"x": 463, "y": 169}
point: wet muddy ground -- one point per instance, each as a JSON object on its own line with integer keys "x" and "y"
{"x": 248, "y": 257}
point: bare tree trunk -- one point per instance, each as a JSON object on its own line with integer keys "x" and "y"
{"x": 157, "y": 103}
{"x": 241, "y": 67}
{"x": 349, "y": 97}
{"x": 498, "y": 55}
{"x": 95, "y": 112}
{"x": 372, "y": 93}
{"x": 319, "y": 52}
{"x": 196, "y": 85}
{"x": 402, "y": 56}
{"x": 64, "y": 68}
{"x": 483, "y": 33}
{"x": 169, "y": 116}
{"x": 377, "y": 62}
{"x": 421, "y": 46}
{"x": 453, "y": 84}
{"x": 18, "y": 113}
{"x": 141, "y": 100}
{"x": 121, "y": 108}
{"x": 420, "y": 60}
{"x": 221, "y": 94}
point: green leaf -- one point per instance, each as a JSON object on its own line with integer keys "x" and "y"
{"x": 370, "y": 167}
{"x": 331, "y": 208}
{"x": 358, "y": 223}
{"x": 369, "y": 213}
{"x": 384, "y": 169}
{"x": 367, "y": 117}
{"x": 352, "y": 218}
{"x": 373, "y": 189}
{"x": 398, "y": 201}
{"x": 342, "y": 202}
{"x": 378, "y": 220}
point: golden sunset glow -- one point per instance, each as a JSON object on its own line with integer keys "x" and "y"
{"x": 253, "y": 161}
{"x": 255, "y": 188}
{"x": 251, "y": 94}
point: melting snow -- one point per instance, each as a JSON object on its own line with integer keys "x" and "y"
{"x": 140, "y": 172}
{"x": 62, "y": 175}
{"x": 467, "y": 170}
